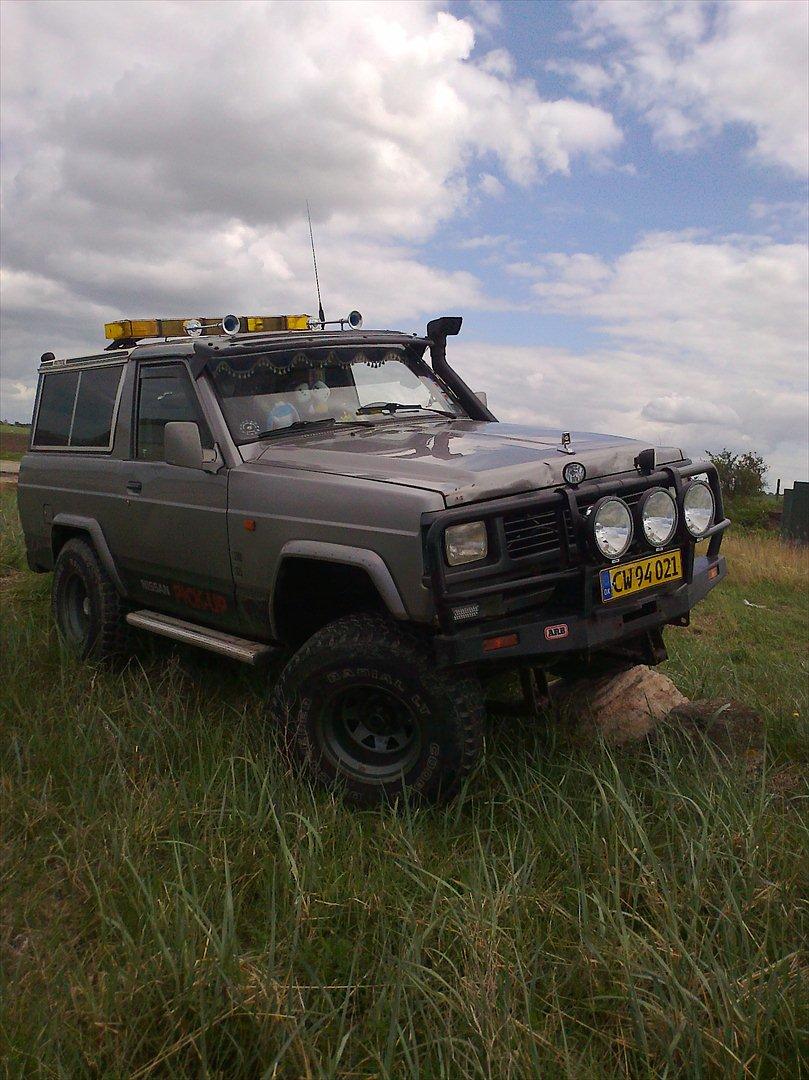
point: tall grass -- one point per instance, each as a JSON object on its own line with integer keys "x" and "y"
{"x": 759, "y": 558}
{"x": 176, "y": 902}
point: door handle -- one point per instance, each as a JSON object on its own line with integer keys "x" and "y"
{"x": 134, "y": 486}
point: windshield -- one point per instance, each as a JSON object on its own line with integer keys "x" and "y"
{"x": 267, "y": 393}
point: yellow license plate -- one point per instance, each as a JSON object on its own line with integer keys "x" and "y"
{"x": 620, "y": 581}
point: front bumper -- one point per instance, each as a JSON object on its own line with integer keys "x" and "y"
{"x": 543, "y": 639}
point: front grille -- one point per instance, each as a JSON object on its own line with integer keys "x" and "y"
{"x": 537, "y": 533}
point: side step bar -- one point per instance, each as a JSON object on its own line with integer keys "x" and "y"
{"x": 237, "y": 648}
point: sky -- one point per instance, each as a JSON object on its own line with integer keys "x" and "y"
{"x": 613, "y": 195}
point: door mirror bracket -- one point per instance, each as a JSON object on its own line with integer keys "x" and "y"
{"x": 212, "y": 460}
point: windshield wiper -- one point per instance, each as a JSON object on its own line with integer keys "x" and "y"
{"x": 297, "y": 425}
{"x": 397, "y": 406}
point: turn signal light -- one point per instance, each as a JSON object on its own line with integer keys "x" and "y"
{"x": 506, "y": 641}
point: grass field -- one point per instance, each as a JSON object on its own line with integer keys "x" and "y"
{"x": 175, "y": 903}
{"x": 13, "y": 442}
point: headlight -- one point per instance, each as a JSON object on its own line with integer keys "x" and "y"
{"x": 466, "y": 543}
{"x": 698, "y": 508}
{"x": 658, "y": 516}
{"x": 612, "y": 527}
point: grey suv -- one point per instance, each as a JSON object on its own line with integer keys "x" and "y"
{"x": 333, "y": 494}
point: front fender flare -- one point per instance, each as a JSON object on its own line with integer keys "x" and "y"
{"x": 369, "y": 561}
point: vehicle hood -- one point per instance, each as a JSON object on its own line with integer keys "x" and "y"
{"x": 463, "y": 460}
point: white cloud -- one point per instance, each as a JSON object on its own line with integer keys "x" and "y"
{"x": 489, "y": 13}
{"x": 487, "y": 240}
{"x": 592, "y": 79}
{"x": 491, "y": 186}
{"x": 157, "y": 157}
{"x": 690, "y": 68}
{"x": 736, "y": 304}
{"x": 372, "y": 109}
{"x": 679, "y": 409}
{"x": 711, "y": 345}
{"x": 783, "y": 217}
{"x": 616, "y": 390}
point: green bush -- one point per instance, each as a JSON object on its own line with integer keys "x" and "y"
{"x": 741, "y": 475}
{"x": 753, "y": 513}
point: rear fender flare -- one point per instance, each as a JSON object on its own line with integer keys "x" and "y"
{"x": 369, "y": 561}
{"x": 99, "y": 542}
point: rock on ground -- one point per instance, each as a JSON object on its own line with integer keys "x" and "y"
{"x": 622, "y": 707}
{"x": 629, "y": 706}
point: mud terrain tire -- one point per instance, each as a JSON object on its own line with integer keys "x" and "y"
{"x": 365, "y": 710}
{"x": 86, "y": 607}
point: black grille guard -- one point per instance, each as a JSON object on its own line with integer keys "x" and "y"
{"x": 452, "y": 588}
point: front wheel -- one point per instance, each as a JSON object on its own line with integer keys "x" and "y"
{"x": 364, "y": 707}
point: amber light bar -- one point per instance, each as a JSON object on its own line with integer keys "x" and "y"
{"x": 195, "y": 326}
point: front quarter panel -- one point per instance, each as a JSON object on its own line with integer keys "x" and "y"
{"x": 272, "y": 508}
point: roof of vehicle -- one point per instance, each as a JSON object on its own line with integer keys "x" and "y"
{"x": 239, "y": 345}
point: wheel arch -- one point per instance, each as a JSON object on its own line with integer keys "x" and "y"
{"x": 65, "y": 527}
{"x": 305, "y": 566}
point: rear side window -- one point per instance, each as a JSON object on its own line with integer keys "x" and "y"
{"x": 55, "y": 415}
{"x": 76, "y": 408}
{"x": 166, "y": 394}
{"x": 92, "y": 420}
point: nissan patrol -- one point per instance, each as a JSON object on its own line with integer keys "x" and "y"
{"x": 267, "y": 483}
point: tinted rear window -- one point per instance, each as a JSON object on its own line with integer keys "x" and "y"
{"x": 66, "y": 418}
{"x": 56, "y": 408}
{"x": 92, "y": 422}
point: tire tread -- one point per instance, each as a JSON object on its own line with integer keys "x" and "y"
{"x": 112, "y": 637}
{"x": 364, "y": 631}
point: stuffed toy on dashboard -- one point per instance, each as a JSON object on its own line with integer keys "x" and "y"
{"x": 320, "y": 398}
{"x": 282, "y": 414}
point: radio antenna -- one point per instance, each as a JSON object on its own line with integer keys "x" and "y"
{"x": 321, "y": 316}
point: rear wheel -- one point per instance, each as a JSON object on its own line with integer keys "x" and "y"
{"x": 364, "y": 708}
{"x": 86, "y": 607}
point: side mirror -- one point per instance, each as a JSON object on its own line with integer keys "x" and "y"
{"x": 182, "y": 445}
{"x": 482, "y": 397}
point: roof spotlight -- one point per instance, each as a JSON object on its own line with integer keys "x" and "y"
{"x": 231, "y": 324}
{"x": 354, "y": 320}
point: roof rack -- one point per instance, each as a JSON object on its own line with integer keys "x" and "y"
{"x": 127, "y": 332}
{"x": 232, "y": 335}
{"x": 245, "y": 345}
{"x": 48, "y": 360}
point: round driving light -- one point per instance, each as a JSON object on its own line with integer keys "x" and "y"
{"x": 574, "y": 472}
{"x": 698, "y": 508}
{"x": 612, "y": 527}
{"x": 658, "y": 517}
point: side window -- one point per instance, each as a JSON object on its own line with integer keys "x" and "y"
{"x": 165, "y": 393}
{"x": 76, "y": 408}
{"x": 55, "y": 414}
{"x": 95, "y": 404}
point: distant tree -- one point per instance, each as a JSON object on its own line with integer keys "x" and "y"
{"x": 741, "y": 475}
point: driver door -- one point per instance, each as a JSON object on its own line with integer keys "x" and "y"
{"x": 174, "y": 555}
